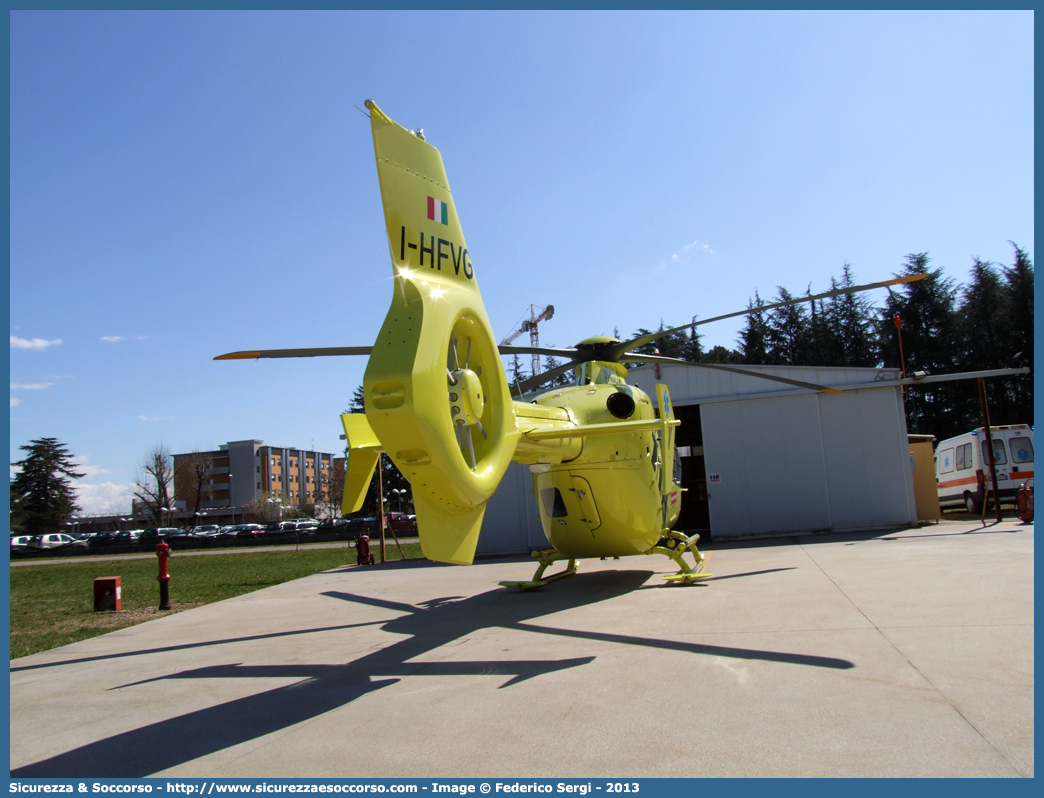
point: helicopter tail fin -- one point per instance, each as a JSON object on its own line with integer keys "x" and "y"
{"x": 436, "y": 395}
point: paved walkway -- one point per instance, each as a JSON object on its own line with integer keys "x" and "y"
{"x": 909, "y": 654}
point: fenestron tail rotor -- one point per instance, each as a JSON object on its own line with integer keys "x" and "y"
{"x": 466, "y": 400}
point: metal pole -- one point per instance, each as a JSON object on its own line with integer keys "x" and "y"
{"x": 380, "y": 504}
{"x": 989, "y": 447}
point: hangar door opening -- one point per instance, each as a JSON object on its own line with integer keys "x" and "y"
{"x": 695, "y": 509}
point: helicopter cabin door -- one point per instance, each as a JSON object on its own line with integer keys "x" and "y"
{"x": 695, "y": 509}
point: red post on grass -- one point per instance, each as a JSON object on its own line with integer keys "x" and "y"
{"x": 163, "y": 554}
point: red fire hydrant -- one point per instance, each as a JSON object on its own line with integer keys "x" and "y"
{"x": 163, "y": 554}
{"x": 362, "y": 547}
{"x": 1026, "y": 502}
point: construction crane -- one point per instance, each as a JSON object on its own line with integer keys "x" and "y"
{"x": 530, "y": 326}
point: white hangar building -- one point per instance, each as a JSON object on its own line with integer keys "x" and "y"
{"x": 762, "y": 459}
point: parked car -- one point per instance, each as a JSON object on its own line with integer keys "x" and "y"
{"x": 55, "y": 541}
{"x": 155, "y": 535}
{"x": 361, "y": 525}
{"x": 205, "y": 531}
{"x": 20, "y": 543}
{"x": 170, "y": 534}
{"x": 228, "y": 531}
{"x": 249, "y": 530}
{"x": 401, "y": 522}
{"x": 328, "y": 524}
{"x": 103, "y": 540}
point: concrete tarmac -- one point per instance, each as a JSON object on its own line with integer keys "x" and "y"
{"x": 905, "y": 654}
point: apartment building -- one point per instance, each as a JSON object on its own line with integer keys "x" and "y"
{"x": 238, "y": 472}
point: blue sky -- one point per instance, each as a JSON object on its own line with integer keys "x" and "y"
{"x": 188, "y": 184}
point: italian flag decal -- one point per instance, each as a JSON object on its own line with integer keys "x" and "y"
{"x": 437, "y": 211}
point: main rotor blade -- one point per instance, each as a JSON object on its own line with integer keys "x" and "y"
{"x": 506, "y": 349}
{"x": 517, "y": 389}
{"x": 635, "y": 357}
{"x": 614, "y": 351}
{"x": 329, "y": 351}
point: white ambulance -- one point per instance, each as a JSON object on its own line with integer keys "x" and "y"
{"x": 962, "y": 470}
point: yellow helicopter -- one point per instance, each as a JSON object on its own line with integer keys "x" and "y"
{"x": 438, "y": 402}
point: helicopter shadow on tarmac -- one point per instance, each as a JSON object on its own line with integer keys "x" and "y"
{"x": 321, "y": 688}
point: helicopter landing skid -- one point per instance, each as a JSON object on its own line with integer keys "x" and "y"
{"x": 546, "y": 557}
{"x": 674, "y": 545}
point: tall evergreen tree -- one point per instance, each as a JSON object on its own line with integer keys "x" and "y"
{"x": 789, "y": 332}
{"x": 982, "y": 319}
{"x": 753, "y": 341}
{"x": 358, "y": 403}
{"x": 1018, "y": 288}
{"x": 693, "y": 348}
{"x": 926, "y": 309}
{"x": 850, "y": 318}
{"x": 723, "y": 355}
{"x": 982, "y": 338}
{"x": 42, "y": 496}
{"x": 823, "y": 347}
{"x": 518, "y": 371}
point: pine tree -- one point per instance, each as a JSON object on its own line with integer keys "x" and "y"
{"x": 926, "y": 309}
{"x": 518, "y": 371}
{"x": 723, "y": 355}
{"x": 42, "y": 497}
{"x": 850, "y": 318}
{"x": 788, "y": 332}
{"x": 982, "y": 337}
{"x": 693, "y": 348}
{"x": 358, "y": 403}
{"x": 982, "y": 319}
{"x": 562, "y": 379}
{"x": 753, "y": 340}
{"x": 1018, "y": 288}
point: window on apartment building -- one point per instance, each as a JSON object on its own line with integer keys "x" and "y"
{"x": 259, "y": 486}
{"x": 259, "y": 469}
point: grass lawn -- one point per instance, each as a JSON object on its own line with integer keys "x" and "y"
{"x": 53, "y": 605}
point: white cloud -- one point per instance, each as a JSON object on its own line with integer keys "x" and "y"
{"x": 16, "y": 402}
{"x": 107, "y": 497}
{"x": 689, "y": 249}
{"x": 34, "y": 343}
{"x": 155, "y": 418}
{"x": 84, "y": 466}
{"x": 112, "y": 339}
{"x": 30, "y": 386}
